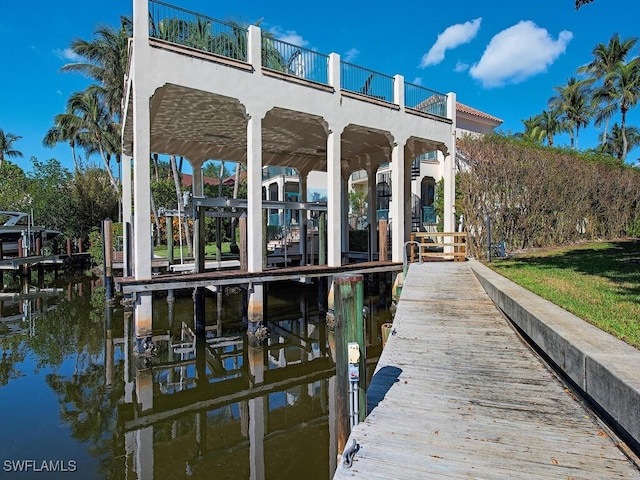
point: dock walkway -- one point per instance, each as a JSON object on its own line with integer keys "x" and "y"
{"x": 457, "y": 394}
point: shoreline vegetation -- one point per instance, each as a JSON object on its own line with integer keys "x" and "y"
{"x": 599, "y": 282}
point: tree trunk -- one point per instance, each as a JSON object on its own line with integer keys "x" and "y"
{"x": 155, "y": 218}
{"x": 235, "y": 196}
{"x": 176, "y": 181}
{"x": 623, "y": 122}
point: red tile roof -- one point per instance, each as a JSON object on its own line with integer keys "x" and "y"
{"x": 461, "y": 107}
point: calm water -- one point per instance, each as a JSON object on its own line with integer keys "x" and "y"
{"x": 76, "y": 402}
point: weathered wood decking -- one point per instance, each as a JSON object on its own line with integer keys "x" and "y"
{"x": 457, "y": 394}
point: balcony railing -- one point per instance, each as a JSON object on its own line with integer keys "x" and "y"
{"x": 294, "y": 60}
{"x": 425, "y": 100}
{"x": 277, "y": 171}
{"x": 366, "y": 82}
{"x": 184, "y": 27}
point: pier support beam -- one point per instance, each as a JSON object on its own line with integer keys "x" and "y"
{"x": 254, "y": 192}
{"x": 334, "y": 200}
{"x": 255, "y": 315}
{"x": 143, "y": 314}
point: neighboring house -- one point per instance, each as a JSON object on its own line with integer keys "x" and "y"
{"x": 426, "y": 172}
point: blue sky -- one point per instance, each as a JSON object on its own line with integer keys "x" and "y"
{"x": 502, "y": 57}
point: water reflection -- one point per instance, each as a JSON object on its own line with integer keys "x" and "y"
{"x": 197, "y": 406}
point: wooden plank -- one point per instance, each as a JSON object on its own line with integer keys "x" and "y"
{"x": 457, "y": 394}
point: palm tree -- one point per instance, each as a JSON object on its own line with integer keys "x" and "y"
{"x": 605, "y": 61}
{"x": 625, "y": 81}
{"x": 614, "y": 144}
{"x": 572, "y": 101}
{"x": 6, "y": 146}
{"x": 106, "y": 62}
{"x": 67, "y": 128}
{"x": 546, "y": 125}
{"x": 97, "y": 128}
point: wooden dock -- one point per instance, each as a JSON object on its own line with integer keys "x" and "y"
{"x": 128, "y": 285}
{"x": 457, "y": 394}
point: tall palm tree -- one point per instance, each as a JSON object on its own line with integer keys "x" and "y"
{"x": 572, "y": 101}
{"x": 605, "y": 61}
{"x": 96, "y": 125}
{"x": 625, "y": 80}
{"x": 67, "y": 128}
{"x": 614, "y": 144}
{"x": 547, "y": 125}
{"x": 6, "y": 146}
{"x": 106, "y": 58}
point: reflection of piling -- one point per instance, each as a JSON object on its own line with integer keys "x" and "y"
{"x": 198, "y": 309}
{"x": 349, "y": 328}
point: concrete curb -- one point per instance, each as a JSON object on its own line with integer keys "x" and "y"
{"x": 606, "y": 369}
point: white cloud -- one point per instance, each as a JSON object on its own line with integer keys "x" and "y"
{"x": 517, "y": 53}
{"x": 451, "y": 37}
{"x": 417, "y": 81}
{"x": 289, "y": 36}
{"x": 68, "y": 55}
{"x": 351, "y": 55}
{"x": 461, "y": 67}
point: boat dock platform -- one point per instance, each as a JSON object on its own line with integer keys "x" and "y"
{"x": 127, "y": 285}
{"x": 458, "y": 394}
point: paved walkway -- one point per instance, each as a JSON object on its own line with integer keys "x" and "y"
{"x": 457, "y": 394}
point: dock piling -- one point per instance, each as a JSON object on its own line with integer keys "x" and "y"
{"x": 350, "y": 338}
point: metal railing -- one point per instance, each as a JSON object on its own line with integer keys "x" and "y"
{"x": 425, "y": 100}
{"x": 273, "y": 171}
{"x": 294, "y": 60}
{"x": 366, "y": 82}
{"x": 184, "y": 27}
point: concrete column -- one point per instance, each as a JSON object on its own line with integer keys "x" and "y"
{"x": 141, "y": 141}
{"x": 344, "y": 213}
{"x": 371, "y": 211}
{"x": 255, "y": 308}
{"x": 302, "y": 215}
{"x": 143, "y": 317}
{"x": 254, "y": 52}
{"x": 450, "y": 169}
{"x": 198, "y": 227}
{"x": 125, "y": 165}
{"x": 334, "y": 71}
{"x": 334, "y": 200}
{"x": 396, "y": 208}
{"x": 254, "y": 193}
{"x": 398, "y": 91}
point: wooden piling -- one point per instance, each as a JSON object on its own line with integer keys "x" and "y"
{"x": 322, "y": 238}
{"x": 382, "y": 240}
{"x": 243, "y": 242}
{"x": 349, "y": 327}
{"x": 107, "y": 250}
{"x": 169, "y": 226}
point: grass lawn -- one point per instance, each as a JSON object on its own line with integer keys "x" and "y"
{"x": 599, "y": 282}
{"x": 209, "y": 250}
